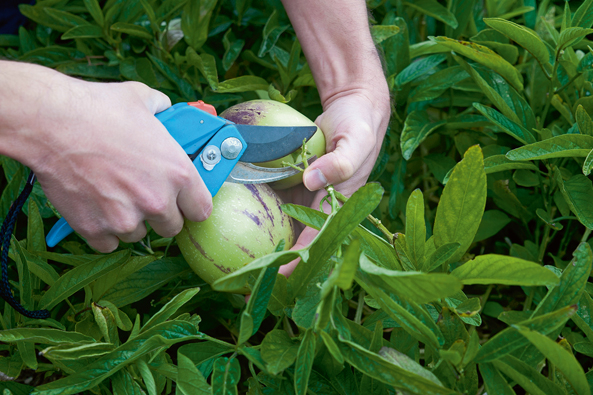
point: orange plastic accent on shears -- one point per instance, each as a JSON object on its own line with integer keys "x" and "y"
{"x": 209, "y": 108}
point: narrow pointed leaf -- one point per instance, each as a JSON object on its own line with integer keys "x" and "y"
{"x": 501, "y": 269}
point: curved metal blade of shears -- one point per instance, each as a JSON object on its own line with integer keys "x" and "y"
{"x": 265, "y": 143}
{"x": 247, "y": 173}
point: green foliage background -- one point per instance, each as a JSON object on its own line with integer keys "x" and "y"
{"x": 475, "y": 280}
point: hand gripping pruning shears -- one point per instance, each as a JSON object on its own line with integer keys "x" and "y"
{"x": 221, "y": 151}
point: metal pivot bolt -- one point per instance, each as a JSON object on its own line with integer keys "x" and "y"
{"x": 231, "y": 148}
{"x": 210, "y": 157}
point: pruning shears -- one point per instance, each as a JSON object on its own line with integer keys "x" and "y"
{"x": 222, "y": 150}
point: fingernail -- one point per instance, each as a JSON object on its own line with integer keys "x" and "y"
{"x": 207, "y": 211}
{"x": 315, "y": 180}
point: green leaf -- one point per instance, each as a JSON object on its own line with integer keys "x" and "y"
{"x": 304, "y": 362}
{"x": 145, "y": 281}
{"x": 98, "y": 71}
{"x": 561, "y": 358}
{"x": 493, "y": 221}
{"x": 572, "y": 282}
{"x": 501, "y": 269}
{"x": 440, "y": 256}
{"x": 278, "y": 351}
{"x": 418, "y": 68}
{"x": 70, "y": 351}
{"x": 425, "y": 332}
{"x": 95, "y": 10}
{"x": 185, "y": 88}
{"x": 563, "y": 146}
{"x": 124, "y": 384}
{"x": 334, "y": 232}
{"x": 170, "y": 308}
{"x": 416, "y": 128}
{"x": 271, "y": 33}
{"x": 500, "y": 93}
{"x": 164, "y": 335}
{"x": 571, "y": 36}
{"x": 81, "y": 276}
{"x": 258, "y": 302}
{"x": 43, "y": 336}
{"x": 225, "y": 376}
{"x": 147, "y": 376}
{"x": 332, "y": 347}
{"x": 83, "y": 31}
{"x": 509, "y": 339}
{"x": 343, "y": 274}
{"x": 232, "y": 50}
{"x": 578, "y": 193}
{"x": 132, "y": 30}
{"x": 496, "y": 163}
{"x": 508, "y": 126}
{"x": 462, "y": 203}
{"x": 523, "y": 36}
{"x": 434, "y": 9}
{"x": 415, "y": 228}
{"x": 244, "y": 83}
{"x": 388, "y": 372}
{"x": 584, "y": 121}
{"x": 495, "y": 382}
{"x": 237, "y": 279}
{"x": 190, "y": 380}
{"x": 195, "y": 22}
{"x": 205, "y": 351}
{"x": 206, "y": 63}
{"x": 416, "y": 286}
{"x": 381, "y": 33}
{"x": 527, "y": 376}
{"x": 437, "y": 83}
{"x": 486, "y": 57}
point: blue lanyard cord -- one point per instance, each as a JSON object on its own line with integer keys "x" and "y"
{"x": 5, "y": 236}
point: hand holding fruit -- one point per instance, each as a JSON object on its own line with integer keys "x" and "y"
{"x": 100, "y": 155}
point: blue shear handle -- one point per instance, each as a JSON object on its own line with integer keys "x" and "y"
{"x": 193, "y": 129}
{"x": 60, "y": 230}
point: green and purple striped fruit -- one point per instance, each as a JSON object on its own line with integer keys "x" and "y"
{"x": 246, "y": 223}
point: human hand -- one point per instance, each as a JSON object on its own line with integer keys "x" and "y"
{"x": 354, "y": 124}
{"x": 107, "y": 164}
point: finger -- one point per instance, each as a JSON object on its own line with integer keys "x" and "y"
{"x": 168, "y": 225}
{"x": 154, "y": 100}
{"x": 306, "y": 237}
{"x": 194, "y": 200}
{"x": 138, "y": 234}
{"x": 104, "y": 244}
{"x": 352, "y": 150}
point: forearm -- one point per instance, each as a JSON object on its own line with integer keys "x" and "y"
{"x": 26, "y": 89}
{"x": 336, "y": 39}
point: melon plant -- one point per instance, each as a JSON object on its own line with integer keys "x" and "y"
{"x": 462, "y": 267}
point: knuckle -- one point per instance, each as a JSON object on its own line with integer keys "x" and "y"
{"x": 125, "y": 225}
{"x": 156, "y": 207}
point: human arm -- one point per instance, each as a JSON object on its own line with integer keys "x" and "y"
{"x": 102, "y": 158}
{"x": 336, "y": 39}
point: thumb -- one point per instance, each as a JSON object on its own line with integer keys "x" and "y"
{"x": 351, "y": 151}
{"x": 154, "y": 100}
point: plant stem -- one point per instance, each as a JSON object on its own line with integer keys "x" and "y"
{"x": 529, "y": 299}
{"x": 586, "y": 235}
{"x": 359, "y": 308}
